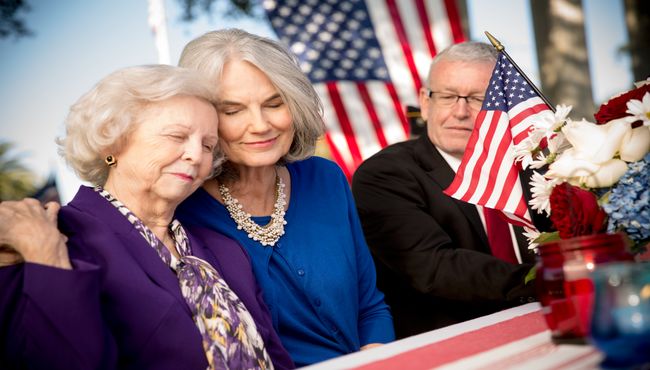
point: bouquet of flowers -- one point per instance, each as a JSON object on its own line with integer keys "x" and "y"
{"x": 597, "y": 176}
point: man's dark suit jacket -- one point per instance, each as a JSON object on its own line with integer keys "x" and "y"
{"x": 120, "y": 307}
{"x": 431, "y": 251}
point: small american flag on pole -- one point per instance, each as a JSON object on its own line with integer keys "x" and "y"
{"x": 487, "y": 175}
{"x": 367, "y": 60}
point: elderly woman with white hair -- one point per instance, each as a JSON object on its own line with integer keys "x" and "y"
{"x": 292, "y": 212}
{"x": 121, "y": 283}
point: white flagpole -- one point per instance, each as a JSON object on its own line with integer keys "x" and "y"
{"x": 158, "y": 23}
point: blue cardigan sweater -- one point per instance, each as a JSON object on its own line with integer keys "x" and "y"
{"x": 319, "y": 280}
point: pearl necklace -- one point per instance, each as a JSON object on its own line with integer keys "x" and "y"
{"x": 268, "y": 234}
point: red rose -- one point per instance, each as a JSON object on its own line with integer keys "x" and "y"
{"x": 575, "y": 212}
{"x": 616, "y": 107}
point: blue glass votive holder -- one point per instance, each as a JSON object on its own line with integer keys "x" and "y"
{"x": 620, "y": 323}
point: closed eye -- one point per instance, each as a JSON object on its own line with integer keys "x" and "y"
{"x": 229, "y": 108}
{"x": 447, "y": 98}
{"x": 177, "y": 137}
{"x": 274, "y": 101}
{"x": 231, "y": 112}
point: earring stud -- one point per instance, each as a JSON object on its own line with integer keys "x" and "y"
{"x": 110, "y": 161}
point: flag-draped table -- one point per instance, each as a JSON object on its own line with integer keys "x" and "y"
{"x": 514, "y": 338}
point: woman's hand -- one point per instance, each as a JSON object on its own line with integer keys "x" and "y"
{"x": 29, "y": 233}
{"x": 8, "y": 256}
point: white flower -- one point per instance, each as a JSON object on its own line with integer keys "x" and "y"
{"x": 640, "y": 109}
{"x": 523, "y": 152}
{"x": 607, "y": 175}
{"x": 635, "y": 144}
{"x": 561, "y": 113}
{"x": 547, "y": 126}
{"x": 531, "y": 235}
{"x": 549, "y": 122}
{"x": 594, "y": 148}
{"x": 540, "y": 161}
{"x": 541, "y": 192}
{"x": 571, "y": 167}
{"x": 554, "y": 145}
{"x": 596, "y": 143}
{"x": 591, "y": 159}
{"x": 557, "y": 143}
{"x": 570, "y": 164}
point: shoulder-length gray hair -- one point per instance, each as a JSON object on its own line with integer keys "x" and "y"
{"x": 100, "y": 122}
{"x": 211, "y": 51}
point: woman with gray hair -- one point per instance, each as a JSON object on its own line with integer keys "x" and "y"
{"x": 121, "y": 283}
{"x": 292, "y": 212}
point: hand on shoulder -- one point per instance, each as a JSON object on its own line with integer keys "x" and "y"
{"x": 29, "y": 233}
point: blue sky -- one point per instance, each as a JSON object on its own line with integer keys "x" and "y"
{"x": 77, "y": 43}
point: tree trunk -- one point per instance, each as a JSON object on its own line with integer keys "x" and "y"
{"x": 562, "y": 54}
{"x": 637, "y": 18}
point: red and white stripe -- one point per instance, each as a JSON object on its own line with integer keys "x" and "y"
{"x": 517, "y": 338}
{"x": 363, "y": 117}
{"x": 487, "y": 175}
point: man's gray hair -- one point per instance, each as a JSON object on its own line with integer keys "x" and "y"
{"x": 471, "y": 51}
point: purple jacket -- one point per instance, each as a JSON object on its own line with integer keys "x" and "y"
{"x": 121, "y": 306}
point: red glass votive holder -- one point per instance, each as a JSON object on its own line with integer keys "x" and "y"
{"x": 564, "y": 287}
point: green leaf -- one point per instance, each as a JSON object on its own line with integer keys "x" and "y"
{"x": 530, "y": 276}
{"x": 548, "y": 237}
{"x": 640, "y": 247}
{"x": 604, "y": 199}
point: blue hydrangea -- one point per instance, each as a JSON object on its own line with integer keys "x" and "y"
{"x": 628, "y": 207}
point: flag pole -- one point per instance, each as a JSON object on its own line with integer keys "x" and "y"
{"x": 501, "y": 49}
{"x": 158, "y": 22}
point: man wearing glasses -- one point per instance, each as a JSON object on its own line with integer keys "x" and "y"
{"x": 434, "y": 262}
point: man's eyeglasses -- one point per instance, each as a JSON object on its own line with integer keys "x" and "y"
{"x": 447, "y": 100}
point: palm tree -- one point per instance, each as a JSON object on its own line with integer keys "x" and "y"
{"x": 16, "y": 181}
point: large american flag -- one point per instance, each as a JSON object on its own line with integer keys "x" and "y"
{"x": 367, "y": 60}
{"x": 487, "y": 175}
